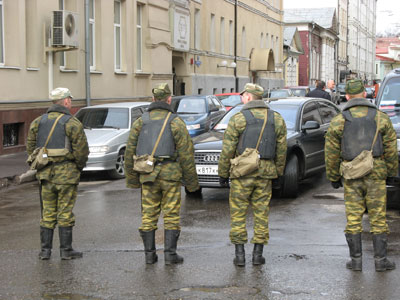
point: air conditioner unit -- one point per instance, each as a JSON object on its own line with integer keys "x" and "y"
{"x": 65, "y": 29}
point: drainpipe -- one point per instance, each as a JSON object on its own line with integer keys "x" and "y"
{"x": 235, "y": 51}
{"x": 309, "y": 53}
{"x": 87, "y": 53}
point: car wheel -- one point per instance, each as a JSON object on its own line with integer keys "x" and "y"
{"x": 118, "y": 172}
{"x": 290, "y": 186}
{"x": 196, "y": 194}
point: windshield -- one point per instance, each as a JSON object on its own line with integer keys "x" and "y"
{"x": 192, "y": 106}
{"x": 341, "y": 87}
{"x": 104, "y": 117}
{"x": 279, "y": 94}
{"x": 390, "y": 99}
{"x": 288, "y": 112}
{"x": 231, "y": 100}
{"x": 299, "y": 92}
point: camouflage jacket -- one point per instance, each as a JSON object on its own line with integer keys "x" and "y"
{"x": 236, "y": 126}
{"x": 384, "y": 166}
{"x": 62, "y": 169}
{"x": 183, "y": 166}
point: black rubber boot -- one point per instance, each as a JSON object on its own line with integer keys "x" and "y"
{"x": 354, "y": 242}
{"x": 170, "y": 243}
{"x": 258, "y": 259}
{"x": 66, "y": 251}
{"x": 239, "y": 259}
{"x": 149, "y": 242}
{"x": 380, "y": 253}
{"x": 46, "y": 242}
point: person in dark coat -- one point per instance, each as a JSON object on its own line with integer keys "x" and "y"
{"x": 319, "y": 92}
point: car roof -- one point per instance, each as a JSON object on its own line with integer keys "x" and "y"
{"x": 227, "y": 94}
{"x": 296, "y": 100}
{"x": 119, "y": 105}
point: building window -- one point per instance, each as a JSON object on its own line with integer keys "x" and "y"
{"x": 212, "y": 33}
{"x": 222, "y": 35}
{"x": 12, "y": 134}
{"x": 199, "y": 91}
{"x": 262, "y": 40}
{"x": 117, "y": 35}
{"x": 197, "y": 28}
{"x": 61, "y": 6}
{"x": 266, "y": 40}
{"x": 214, "y": 91}
{"x": 139, "y": 38}
{"x": 92, "y": 34}
{"x": 277, "y": 58}
{"x": 231, "y": 37}
{"x": 243, "y": 41}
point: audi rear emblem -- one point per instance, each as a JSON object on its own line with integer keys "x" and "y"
{"x": 211, "y": 157}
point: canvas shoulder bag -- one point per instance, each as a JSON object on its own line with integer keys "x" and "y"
{"x": 145, "y": 163}
{"x": 249, "y": 160}
{"x": 362, "y": 164}
{"x": 39, "y": 157}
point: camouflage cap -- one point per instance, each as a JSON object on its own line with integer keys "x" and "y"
{"x": 60, "y": 93}
{"x": 354, "y": 87}
{"x": 254, "y": 89}
{"x": 161, "y": 91}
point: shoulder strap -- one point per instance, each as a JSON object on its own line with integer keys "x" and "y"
{"x": 146, "y": 116}
{"x": 52, "y": 130}
{"x": 159, "y": 136}
{"x": 262, "y": 129}
{"x": 347, "y": 115}
{"x": 377, "y": 130}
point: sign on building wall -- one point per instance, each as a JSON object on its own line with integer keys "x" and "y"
{"x": 181, "y": 29}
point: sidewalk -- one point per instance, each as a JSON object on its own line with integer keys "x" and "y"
{"x": 12, "y": 165}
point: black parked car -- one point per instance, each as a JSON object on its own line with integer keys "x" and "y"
{"x": 388, "y": 100}
{"x": 307, "y": 120}
{"x": 199, "y": 113}
{"x": 341, "y": 87}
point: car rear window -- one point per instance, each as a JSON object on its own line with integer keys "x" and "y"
{"x": 104, "y": 117}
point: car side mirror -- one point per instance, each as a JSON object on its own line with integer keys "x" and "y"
{"x": 309, "y": 125}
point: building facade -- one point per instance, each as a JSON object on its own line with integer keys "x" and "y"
{"x": 361, "y": 38}
{"x": 197, "y": 46}
{"x": 387, "y": 56}
{"x": 292, "y": 49}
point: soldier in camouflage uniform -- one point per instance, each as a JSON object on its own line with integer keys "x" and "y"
{"x": 254, "y": 188}
{"x": 161, "y": 189}
{"x": 67, "y": 153}
{"x": 349, "y": 133}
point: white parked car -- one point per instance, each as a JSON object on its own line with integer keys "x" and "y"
{"x": 107, "y": 129}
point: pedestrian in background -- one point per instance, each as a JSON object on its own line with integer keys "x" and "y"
{"x": 243, "y": 131}
{"x": 161, "y": 187}
{"x": 351, "y": 132}
{"x": 319, "y": 91}
{"x": 67, "y": 152}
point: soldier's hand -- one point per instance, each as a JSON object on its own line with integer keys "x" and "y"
{"x": 276, "y": 182}
{"x": 336, "y": 184}
{"x": 224, "y": 182}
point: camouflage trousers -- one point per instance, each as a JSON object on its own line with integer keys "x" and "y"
{"x": 363, "y": 193}
{"x": 161, "y": 195}
{"x": 58, "y": 201}
{"x": 243, "y": 192}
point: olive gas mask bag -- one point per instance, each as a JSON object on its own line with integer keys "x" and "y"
{"x": 145, "y": 164}
{"x": 249, "y": 160}
{"x": 362, "y": 164}
{"x": 39, "y": 157}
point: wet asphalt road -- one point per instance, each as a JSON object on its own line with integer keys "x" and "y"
{"x": 305, "y": 258}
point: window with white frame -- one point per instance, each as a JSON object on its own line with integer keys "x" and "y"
{"x": 262, "y": 40}
{"x": 92, "y": 35}
{"x": 277, "y": 58}
{"x": 117, "y": 35}
{"x": 231, "y": 37}
{"x": 1, "y": 33}
{"x": 61, "y": 6}
{"x": 197, "y": 27}
{"x": 222, "y": 35}
{"x": 139, "y": 13}
{"x": 243, "y": 41}
{"x": 266, "y": 40}
{"x": 212, "y": 33}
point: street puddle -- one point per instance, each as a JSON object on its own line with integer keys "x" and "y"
{"x": 229, "y": 290}
{"x": 67, "y": 297}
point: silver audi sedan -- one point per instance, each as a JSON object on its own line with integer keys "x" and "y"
{"x": 107, "y": 129}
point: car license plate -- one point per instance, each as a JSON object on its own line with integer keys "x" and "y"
{"x": 207, "y": 170}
